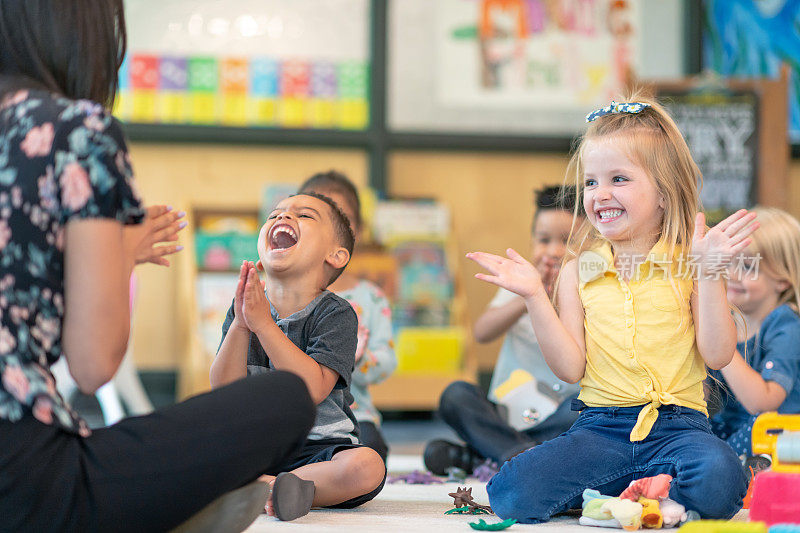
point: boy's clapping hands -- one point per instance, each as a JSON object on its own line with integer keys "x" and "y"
{"x": 250, "y": 301}
{"x": 238, "y": 299}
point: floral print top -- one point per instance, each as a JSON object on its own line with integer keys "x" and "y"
{"x": 60, "y": 159}
{"x": 375, "y": 357}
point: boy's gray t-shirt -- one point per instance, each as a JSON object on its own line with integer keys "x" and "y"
{"x": 327, "y": 331}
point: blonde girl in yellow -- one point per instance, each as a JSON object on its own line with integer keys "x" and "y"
{"x": 641, "y": 312}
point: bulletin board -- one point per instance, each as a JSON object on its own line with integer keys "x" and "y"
{"x": 522, "y": 67}
{"x": 249, "y": 63}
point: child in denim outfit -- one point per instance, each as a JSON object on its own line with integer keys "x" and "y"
{"x": 641, "y": 312}
{"x": 764, "y": 374}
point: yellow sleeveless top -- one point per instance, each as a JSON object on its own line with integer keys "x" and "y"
{"x": 640, "y": 341}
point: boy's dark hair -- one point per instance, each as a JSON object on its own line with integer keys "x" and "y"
{"x": 73, "y": 48}
{"x": 335, "y": 181}
{"x": 553, "y": 197}
{"x": 341, "y": 227}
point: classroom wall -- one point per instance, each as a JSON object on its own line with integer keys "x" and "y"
{"x": 489, "y": 195}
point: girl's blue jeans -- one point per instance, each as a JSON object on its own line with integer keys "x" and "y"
{"x": 596, "y": 453}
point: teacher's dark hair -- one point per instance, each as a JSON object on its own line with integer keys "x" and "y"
{"x": 71, "y": 47}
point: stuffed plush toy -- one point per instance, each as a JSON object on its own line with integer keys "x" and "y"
{"x": 607, "y": 511}
{"x": 645, "y": 503}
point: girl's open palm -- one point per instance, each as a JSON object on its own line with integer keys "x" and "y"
{"x": 514, "y": 273}
{"x": 713, "y": 249}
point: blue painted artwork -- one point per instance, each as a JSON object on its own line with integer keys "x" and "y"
{"x": 751, "y": 38}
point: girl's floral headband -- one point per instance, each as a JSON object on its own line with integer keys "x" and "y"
{"x": 616, "y": 107}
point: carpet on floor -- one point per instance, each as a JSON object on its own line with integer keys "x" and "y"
{"x": 402, "y": 507}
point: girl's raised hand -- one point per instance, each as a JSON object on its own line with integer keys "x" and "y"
{"x": 714, "y": 249}
{"x": 514, "y": 273}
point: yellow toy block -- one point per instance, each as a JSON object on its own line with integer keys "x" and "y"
{"x": 429, "y": 350}
{"x": 778, "y": 436}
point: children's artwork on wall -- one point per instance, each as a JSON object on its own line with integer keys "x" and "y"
{"x": 535, "y": 53}
{"x": 410, "y": 219}
{"x": 522, "y": 67}
{"x": 751, "y": 39}
{"x": 267, "y": 63}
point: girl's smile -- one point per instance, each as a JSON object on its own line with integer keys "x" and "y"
{"x": 609, "y": 215}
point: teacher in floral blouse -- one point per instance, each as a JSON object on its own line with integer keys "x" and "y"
{"x": 72, "y": 229}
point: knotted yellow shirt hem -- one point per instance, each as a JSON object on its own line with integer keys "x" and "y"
{"x": 649, "y": 413}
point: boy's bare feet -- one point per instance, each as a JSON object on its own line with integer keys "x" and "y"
{"x": 290, "y": 498}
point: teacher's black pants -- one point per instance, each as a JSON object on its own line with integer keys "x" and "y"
{"x": 150, "y": 473}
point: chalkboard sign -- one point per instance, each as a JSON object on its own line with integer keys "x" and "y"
{"x": 736, "y": 130}
{"x": 721, "y": 129}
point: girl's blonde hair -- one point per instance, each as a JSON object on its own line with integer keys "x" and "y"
{"x": 650, "y": 139}
{"x": 777, "y": 241}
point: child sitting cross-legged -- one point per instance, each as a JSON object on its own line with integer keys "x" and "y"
{"x": 641, "y": 313}
{"x": 764, "y": 374}
{"x": 294, "y": 323}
